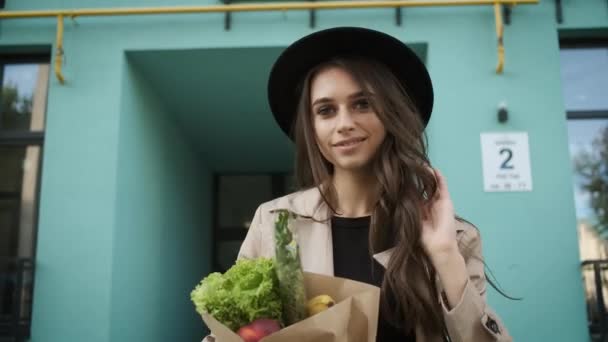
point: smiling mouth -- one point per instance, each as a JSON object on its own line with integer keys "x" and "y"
{"x": 349, "y": 142}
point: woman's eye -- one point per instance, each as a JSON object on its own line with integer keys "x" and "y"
{"x": 324, "y": 110}
{"x": 362, "y": 104}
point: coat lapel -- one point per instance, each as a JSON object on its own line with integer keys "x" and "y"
{"x": 313, "y": 229}
{"x": 316, "y": 248}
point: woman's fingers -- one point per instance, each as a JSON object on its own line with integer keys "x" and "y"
{"x": 442, "y": 185}
{"x": 427, "y": 209}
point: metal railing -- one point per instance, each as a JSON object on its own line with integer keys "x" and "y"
{"x": 594, "y": 277}
{"x": 16, "y": 290}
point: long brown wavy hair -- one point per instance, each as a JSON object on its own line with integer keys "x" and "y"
{"x": 405, "y": 187}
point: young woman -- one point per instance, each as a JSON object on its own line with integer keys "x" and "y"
{"x": 356, "y": 103}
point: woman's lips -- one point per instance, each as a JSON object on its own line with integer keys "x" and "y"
{"x": 349, "y": 144}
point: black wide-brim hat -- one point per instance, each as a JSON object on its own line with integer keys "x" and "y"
{"x": 297, "y": 59}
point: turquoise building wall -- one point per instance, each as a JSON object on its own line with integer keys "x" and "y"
{"x": 163, "y": 217}
{"x": 112, "y": 266}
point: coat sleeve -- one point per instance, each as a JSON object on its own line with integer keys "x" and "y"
{"x": 472, "y": 319}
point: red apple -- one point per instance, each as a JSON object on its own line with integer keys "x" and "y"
{"x": 258, "y": 329}
{"x": 248, "y": 334}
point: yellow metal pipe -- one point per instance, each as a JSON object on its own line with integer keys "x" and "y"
{"x": 60, "y": 14}
{"x": 255, "y": 7}
{"x": 59, "y": 51}
{"x": 499, "y": 34}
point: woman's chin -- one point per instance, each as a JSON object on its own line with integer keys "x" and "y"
{"x": 352, "y": 165}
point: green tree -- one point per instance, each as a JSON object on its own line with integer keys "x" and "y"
{"x": 16, "y": 109}
{"x": 592, "y": 167}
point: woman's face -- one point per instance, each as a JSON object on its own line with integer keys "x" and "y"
{"x": 347, "y": 130}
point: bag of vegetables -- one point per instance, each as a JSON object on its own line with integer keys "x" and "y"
{"x": 273, "y": 300}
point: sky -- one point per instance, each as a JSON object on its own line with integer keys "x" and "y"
{"x": 23, "y": 76}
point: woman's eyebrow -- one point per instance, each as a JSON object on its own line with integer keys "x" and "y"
{"x": 360, "y": 94}
{"x": 321, "y": 100}
{"x": 351, "y": 96}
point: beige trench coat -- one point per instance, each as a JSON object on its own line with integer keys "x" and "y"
{"x": 471, "y": 320}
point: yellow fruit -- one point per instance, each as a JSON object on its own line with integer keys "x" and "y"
{"x": 319, "y": 304}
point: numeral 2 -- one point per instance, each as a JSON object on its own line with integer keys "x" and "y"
{"x": 505, "y": 164}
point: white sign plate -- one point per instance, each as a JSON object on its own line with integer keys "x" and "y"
{"x": 506, "y": 161}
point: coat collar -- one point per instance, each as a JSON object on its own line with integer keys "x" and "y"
{"x": 310, "y": 204}
{"x": 307, "y": 203}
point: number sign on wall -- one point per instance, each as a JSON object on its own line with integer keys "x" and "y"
{"x": 506, "y": 161}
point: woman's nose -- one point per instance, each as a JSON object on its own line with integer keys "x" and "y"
{"x": 345, "y": 120}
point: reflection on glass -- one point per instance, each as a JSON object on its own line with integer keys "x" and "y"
{"x": 584, "y": 73}
{"x": 588, "y": 141}
{"x": 585, "y": 78}
{"x": 239, "y": 196}
{"x": 589, "y": 153}
{"x": 23, "y": 97}
{"x": 9, "y": 216}
{"x": 19, "y": 167}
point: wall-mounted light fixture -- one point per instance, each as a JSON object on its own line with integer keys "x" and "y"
{"x": 503, "y": 114}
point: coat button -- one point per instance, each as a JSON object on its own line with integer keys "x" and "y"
{"x": 493, "y": 326}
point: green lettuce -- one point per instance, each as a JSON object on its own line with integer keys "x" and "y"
{"x": 247, "y": 291}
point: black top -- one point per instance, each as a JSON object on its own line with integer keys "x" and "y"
{"x": 352, "y": 260}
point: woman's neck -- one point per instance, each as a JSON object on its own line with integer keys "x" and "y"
{"x": 356, "y": 193}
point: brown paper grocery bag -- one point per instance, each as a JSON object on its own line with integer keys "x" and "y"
{"x": 353, "y": 319}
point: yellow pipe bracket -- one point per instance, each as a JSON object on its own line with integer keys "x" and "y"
{"x": 500, "y": 28}
{"x": 59, "y": 50}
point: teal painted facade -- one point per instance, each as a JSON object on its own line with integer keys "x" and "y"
{"x": 154, "y": 105}
{"x": 161, "y": 238}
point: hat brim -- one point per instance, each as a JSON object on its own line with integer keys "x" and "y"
{"x": 296, "y": 60}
